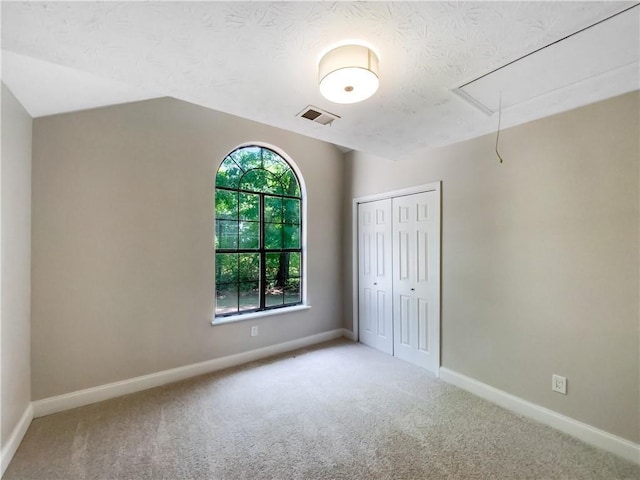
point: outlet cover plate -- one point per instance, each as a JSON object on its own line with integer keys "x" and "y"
{"x": 559, "y": 384}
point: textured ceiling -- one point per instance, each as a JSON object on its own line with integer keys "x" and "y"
{"x": 259, "y": 60}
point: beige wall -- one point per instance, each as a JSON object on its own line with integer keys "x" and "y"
{"x": 540, "y": 257}
{"x": 16, "y": 262}
{"x": 123, "y": 272}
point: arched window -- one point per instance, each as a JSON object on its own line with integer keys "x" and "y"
{"x": 258, "y": 233}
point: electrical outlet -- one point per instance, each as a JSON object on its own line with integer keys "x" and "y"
{"x": 559, "y": 384}
{"x": 254, "y": 331}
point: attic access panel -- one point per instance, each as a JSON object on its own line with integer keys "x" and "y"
{"x": 606, "y": 53}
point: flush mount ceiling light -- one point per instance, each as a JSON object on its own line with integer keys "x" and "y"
{"x": 348, "y": 74}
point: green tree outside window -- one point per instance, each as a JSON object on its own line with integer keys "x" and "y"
{"x": 258, "y": 205}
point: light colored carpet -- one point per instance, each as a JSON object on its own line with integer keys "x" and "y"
{"x": 336, "y": 411}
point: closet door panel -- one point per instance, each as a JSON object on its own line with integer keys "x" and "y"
{"x": 375, "y": 275}
{"x": 416, "y": 233}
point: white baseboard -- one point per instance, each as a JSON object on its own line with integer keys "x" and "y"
{"x": 582, "y": 431}
{"x": 348, "y": 334}
{"x": 81, "y": 398}
{"x": 18, "y": 433}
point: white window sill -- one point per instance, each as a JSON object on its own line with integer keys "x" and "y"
{"x": 255, "y": 315}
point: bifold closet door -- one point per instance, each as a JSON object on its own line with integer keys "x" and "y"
{"x": 374, "y": 279}
{"x": 416, "y": 239}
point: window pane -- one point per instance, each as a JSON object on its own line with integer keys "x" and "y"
{"x": 249, "y": 207}
{"x": 226, "y": 268}
{"x": 249, "y": 296}
{"x": 249, "y": 235}
{"x": 274, "y": 163}
{"x": 228, "y": 174}
{"x": 274, "y": 260}
{"x": 281, "y": 269}
{"x": 292, "y": 291}
{"x": 273, "y": 209}
{"x": 294, "y": 264}
{"x": 254, "y": 181}
{"x": 249, "y": 267}
{"x": 248, "y": 158}
{"x": 261, "y": 181}
{"x": 226, "y": 299}
{"x": 226, "y": 234}
{"x": 291, "y": 236}
{"x": 274, "y": 296}
{"x": 273, "y": 236}
{"x": 291, "y": 210}
{"x": 290, "y": 184}
{"x": 226, "y": 204}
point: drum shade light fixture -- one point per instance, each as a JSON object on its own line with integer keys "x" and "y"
{"x": 348, "y": 74}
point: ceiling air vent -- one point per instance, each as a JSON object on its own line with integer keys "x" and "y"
{"x": 317, "y": 115}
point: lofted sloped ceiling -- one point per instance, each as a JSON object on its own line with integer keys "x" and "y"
{"x": 258, "y": 60}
